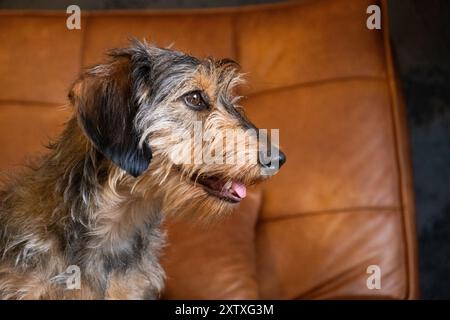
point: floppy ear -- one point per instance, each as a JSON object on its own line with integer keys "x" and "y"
{"x": 106, "y": 107}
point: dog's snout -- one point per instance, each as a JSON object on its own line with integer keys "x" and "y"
{"x": 273, "y": 162}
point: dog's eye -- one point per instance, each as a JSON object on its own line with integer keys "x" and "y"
{"x": 195, "y": 100}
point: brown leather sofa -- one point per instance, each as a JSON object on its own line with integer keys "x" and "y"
{"x": 342, "y": 202}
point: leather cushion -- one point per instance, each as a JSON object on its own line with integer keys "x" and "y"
{"x": 325, "y": 255}
{"x": 39, "y": 58}
{"x": 26, "y": 129}
{"x": 215, "y": 261}
{"x": 339, "y": 145}
{"x": 310, "y": 42}
{"x": 200, "y": 35}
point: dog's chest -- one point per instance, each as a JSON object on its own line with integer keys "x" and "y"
{"x": 127, "y": 268}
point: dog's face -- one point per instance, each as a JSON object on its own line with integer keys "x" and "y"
{"x": 173, "y": 122}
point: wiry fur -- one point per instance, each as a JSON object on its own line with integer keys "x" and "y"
{"x": 97, "y": 199}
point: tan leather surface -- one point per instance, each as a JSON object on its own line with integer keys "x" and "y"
{"x": 197, "y": 34}
{"x": 329, "y": 255}
{"x": 308, "y": 43}
{"x": 344, "y": 198}
{"x": 26, "y": 129}
{"x": 38, "y": 58}
{"x": 340, "y": 147}
{"x": 222, "y": 254}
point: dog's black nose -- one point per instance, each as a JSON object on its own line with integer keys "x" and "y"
{"x": 273, "y": 162}
{"x": 281, "y": 158}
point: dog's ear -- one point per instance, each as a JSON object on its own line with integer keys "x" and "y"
{"x": 106, "y": 107}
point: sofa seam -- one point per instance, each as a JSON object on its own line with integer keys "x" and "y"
{"x": 315, "y": 83}
{"x": 304, "y": 214}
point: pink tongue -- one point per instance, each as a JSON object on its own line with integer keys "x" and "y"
{"x": 239, "y": 189}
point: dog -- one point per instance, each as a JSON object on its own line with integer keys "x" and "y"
{"x": 95, "y": 202}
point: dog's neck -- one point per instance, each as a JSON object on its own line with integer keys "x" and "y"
{"x": 81, "y": 211}
{"x": 103, "y": 217}
{"x": 90, "y": 195}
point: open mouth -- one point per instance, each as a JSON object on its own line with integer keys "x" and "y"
{"x": 227, "y": 190}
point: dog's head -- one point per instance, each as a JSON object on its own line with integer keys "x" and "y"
{"x": 166, "y": 118}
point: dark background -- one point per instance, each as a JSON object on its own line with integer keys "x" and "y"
{"x": 420, "y": 32}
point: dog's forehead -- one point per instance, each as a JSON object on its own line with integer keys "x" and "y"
{"x": 206, "y": 81}
{"x": 212, "y": 77}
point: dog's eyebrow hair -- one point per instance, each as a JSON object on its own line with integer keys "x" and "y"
{"x": 237, "y": 114}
